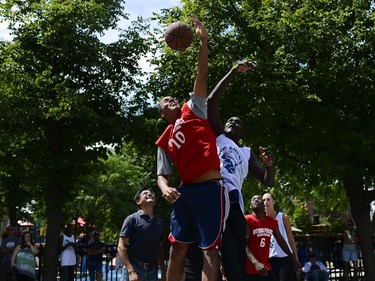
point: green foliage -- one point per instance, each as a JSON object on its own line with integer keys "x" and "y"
{"x": 100, "y": 196}
{"x": 65, "y": 98}
{"x": 335, "y": 223}
{"x": 311, "y": 98}
{"x": 301, "y": 218}
{"x": 64, "y": 92}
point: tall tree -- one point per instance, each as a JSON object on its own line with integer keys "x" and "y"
{"x": 107, "y": 197}
{"x": 312, "y": 96}
{"x": 65, "y": 92}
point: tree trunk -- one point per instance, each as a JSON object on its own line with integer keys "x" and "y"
{"x": 360, "y": 207}
{"x": 12, "y": 202}
{"x": 51, "y": 262}
{"x": 54, "y": 197}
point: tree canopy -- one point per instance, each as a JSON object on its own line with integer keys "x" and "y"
{"x": 311, "y": 98}
{"x": 63, "y": 98}
{"x": 69, "y": 101}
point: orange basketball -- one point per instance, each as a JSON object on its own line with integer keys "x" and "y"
{"x": 178, "y": 36}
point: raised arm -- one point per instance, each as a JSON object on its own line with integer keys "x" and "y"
{"x": 33, "y": 247}
{"x": 265, "y": 175}
{"x": 200, "y": 84}
{"x": 213, "y": 101}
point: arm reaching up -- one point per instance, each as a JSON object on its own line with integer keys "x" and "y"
{"x": 213, "y": 101}
{"x": 200, "y": 85}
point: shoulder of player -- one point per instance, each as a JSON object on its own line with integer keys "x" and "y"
{"x": 285, "y": 218}
{"x": 250, "y": 216}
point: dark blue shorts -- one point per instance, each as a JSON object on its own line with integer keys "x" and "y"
{"x": 199, "y": 214}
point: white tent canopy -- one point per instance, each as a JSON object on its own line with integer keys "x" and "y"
{"x": 295, "y": 229}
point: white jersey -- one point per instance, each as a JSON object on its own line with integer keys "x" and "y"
{"x": 275, "y": 249}
{"x": 234, "y": 164}
{"x": 68, "y": 256}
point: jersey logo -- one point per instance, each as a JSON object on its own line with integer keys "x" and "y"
{"x": 272, "y": 244}
{"x": 230, "y": 159}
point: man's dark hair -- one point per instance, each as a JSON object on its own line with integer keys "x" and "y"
{"x": 138, "y": 194}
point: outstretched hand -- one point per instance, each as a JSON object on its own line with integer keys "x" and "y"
{"x": 199, "y": 28}
{"x": 266, "y": 156}
{"x": 244, "y": 66}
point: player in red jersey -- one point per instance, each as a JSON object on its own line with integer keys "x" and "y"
{"x": 260, "y": 230}
{"x": 200, "y": 202}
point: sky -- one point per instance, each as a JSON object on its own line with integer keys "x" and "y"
{"x": 134, "y": 8}
{"x": 144, "y": 8}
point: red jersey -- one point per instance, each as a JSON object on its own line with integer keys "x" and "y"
{"x": 191, "y": 144}
{"x": 259, "y": 240}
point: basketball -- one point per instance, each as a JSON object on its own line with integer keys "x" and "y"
{"x": 178, "y": 36}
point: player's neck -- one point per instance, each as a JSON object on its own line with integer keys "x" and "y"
{"x": 233, "y": 137}
{"x": 272, "y": 213}
{"x": 260, "y": 215}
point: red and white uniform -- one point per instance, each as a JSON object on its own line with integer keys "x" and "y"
{"x": 259, "y": 240}
{"x": 200, "y": 212}
{"x": 191, "y": 144}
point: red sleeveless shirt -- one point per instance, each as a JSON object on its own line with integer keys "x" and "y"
{"x": 191, "y": 144}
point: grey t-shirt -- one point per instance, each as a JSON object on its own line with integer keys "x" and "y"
{"x": 9, "y": 242}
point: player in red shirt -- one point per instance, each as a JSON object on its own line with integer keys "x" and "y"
{"x": 199, "y": 203}
{"x": 260, "y": 230}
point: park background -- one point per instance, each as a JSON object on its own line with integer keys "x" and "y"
{"x": 78, "y": 116}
